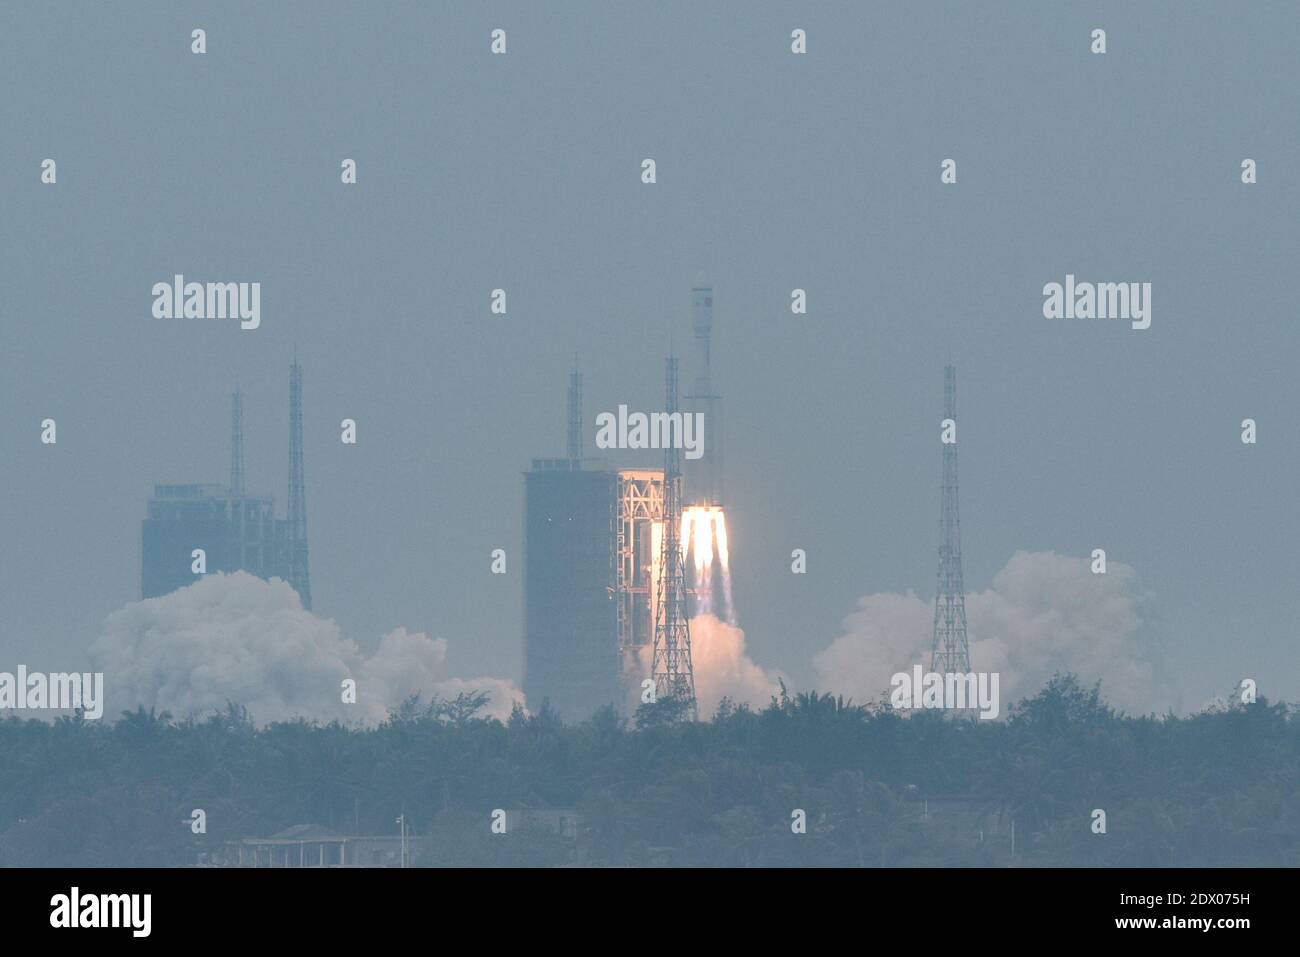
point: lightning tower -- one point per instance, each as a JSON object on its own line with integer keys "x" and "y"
{"x": 674, "y": 675}
{"x": 950, "y": 652}
{"x": 573, "y": 427}
{"x": 299, "y": 574}
{"x": 237, "y": 444}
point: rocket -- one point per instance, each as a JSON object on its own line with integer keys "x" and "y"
{"x": 703, "y": 478}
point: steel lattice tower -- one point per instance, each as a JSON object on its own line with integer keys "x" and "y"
{"x": 674, "y": 675}
{"x": 299, "y": 573}
{"x": 950, "y": 652}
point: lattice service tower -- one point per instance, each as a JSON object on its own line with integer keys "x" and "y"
{"x": 674, "y": 675}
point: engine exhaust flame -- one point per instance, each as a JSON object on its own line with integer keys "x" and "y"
{"x": 707, "y": 558}
{"x": 704, "y": 535}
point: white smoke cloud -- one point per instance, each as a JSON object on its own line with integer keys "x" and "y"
{"x": 1045, "y": 613}
{"x": 238, "y": 638}
{"x": 724, "y": 670}
{"x": 722, "y": 667}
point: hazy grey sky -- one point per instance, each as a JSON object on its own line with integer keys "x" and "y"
{"x": 775, "y": 171}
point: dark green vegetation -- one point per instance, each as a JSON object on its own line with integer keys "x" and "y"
{"x": 1218, "y": 788}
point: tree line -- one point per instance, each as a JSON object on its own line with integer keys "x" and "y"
{"x": 809, "y": 780}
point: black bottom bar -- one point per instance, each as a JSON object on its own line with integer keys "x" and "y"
{"x": 333, "y": 905}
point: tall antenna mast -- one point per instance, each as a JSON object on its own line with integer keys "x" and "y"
{"x": 950, "y": 652}
{"x": 299, "y": 573}
{"x": 237, "y": 444}
{"x": 574, "y": 425}
{"x": 674, "y": 674}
